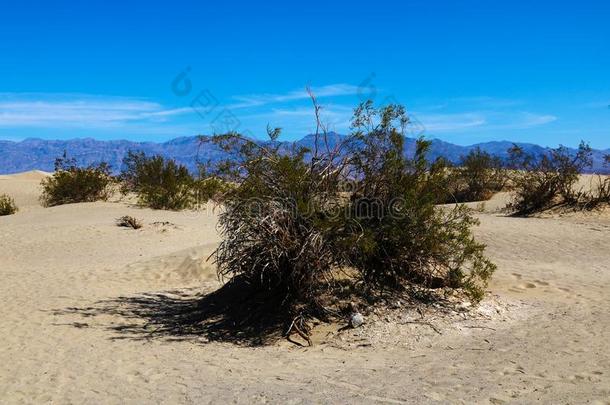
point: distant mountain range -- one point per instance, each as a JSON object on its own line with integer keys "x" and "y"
{"x": 39, "y": 154}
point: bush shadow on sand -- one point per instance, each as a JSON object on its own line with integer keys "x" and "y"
{"x": 234, "y": 313}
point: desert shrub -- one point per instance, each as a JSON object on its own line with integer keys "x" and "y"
{"x": 160, "y": 183}
{"x": 72, "y": 184}
{"x": 477, "y": 178}
{"x": 209, "y": 187}
{"x": 541, "y": 182}
{"x": 599, "y": 195}
{"x": 129, "y": 222}
{"x": 291, "y": 223}
{"x": 7, "y": 205}
{"x": 401, "y": 238}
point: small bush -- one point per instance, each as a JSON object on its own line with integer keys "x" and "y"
{"x": 405, "y": 239}
{"x": 209, "y": 187}
{"x": 160, "y": 183}
{"x": 601, "y": 193}
{"x": 598, "y": 194}
{"x": 7, "y": 205}
{"x": 129, "y": 222}
{"x": 478, "y": 177}
{"x": 545, "y": 181}
{"x": 73, "y": 184}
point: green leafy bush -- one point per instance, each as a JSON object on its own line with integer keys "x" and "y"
{"x": 159, "y": 183}
{"x": 542, "y": 182}
{"x": 209, "y": 187}
{"x": 477, "y": 178}
{"x": 73, "y": 184}
{"x": 7, "y": 205}
{"x": 403, "y": 238}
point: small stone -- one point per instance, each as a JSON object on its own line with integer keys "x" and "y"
{"x": 356, "y": 320}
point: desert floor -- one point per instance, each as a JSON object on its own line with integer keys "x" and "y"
{"x": 67, "y": 275}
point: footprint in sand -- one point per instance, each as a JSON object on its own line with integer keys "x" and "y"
{"x": 528, "y": 285}
{"x": 584, "y": 377}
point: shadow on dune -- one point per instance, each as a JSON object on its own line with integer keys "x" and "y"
{"x": 234, "y": 313}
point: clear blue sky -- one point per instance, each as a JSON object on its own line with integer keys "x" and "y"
{"x": 468, "y": 71}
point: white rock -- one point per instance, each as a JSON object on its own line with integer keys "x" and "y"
{"x": 356, "y": 320}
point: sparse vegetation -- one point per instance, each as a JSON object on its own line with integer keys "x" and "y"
{"x": 73, "y": 184}
{"x": 209, "y": 187}
{"x": 159, "y": 183}
{"x": 543, "y": 182}
{"x": 477, "y": 178}
{"x": 129, "y": 222}
{"x": 599, "y": 195}
{"x": 7, "y": 205}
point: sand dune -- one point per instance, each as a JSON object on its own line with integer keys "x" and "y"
{"x": 541, "y": 335}
{"x": 35, "y": 175}
{"x": 24, "y": 188}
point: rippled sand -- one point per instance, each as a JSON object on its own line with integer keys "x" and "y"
{"x": 68, "y": 273}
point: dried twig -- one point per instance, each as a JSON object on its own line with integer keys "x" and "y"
{"x": 129, "y": 222}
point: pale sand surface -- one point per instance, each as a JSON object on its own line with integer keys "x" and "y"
{"x": 542, "y": 335}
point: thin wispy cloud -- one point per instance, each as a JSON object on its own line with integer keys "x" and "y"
{"x": 85, "y": 111}
{"x": 257, "y": 100}
{"x": 478, "y": 114}
{"x": 532, "y": 120}
{"x": 485, "y": 120}
{"x": 436, "y": 123}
